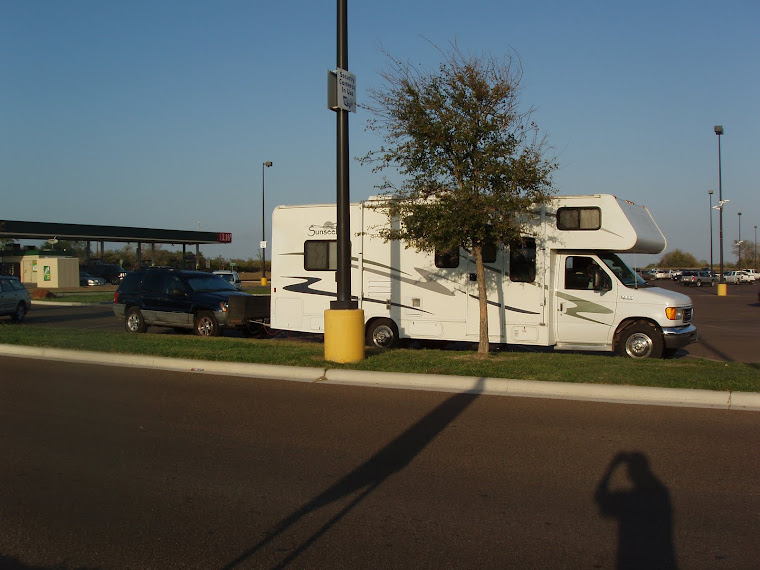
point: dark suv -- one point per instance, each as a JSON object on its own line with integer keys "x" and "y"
{"x": 176, "y": 298}
{"x": 110, "y": 272}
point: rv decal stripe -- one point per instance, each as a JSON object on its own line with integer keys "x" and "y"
{"x": 507, "y": 308}
{"x": 429, "y": 283}
{"x": 584, "y": 306}
{"x": 522, "y": 311}
{"x": 305, "y": 288}
{"x": 399, "y": 305}
{"x": 383, "y": 266}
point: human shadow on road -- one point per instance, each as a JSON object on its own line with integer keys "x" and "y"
{"x": 370, "y": 475}
{"x": 644, "y": 513}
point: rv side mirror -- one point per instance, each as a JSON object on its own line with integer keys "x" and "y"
{"x": 602, "y": 281}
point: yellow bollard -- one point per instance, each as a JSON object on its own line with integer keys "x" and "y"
{"x": 722, "y": 289}
{"x": 263, "y": 281}
{"x": 344, "y": 335}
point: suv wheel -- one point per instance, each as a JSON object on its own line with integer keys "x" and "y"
{"x": 134, "y": 321}
{"x": 20, "y": 314}
{"x": 205, "y": 324}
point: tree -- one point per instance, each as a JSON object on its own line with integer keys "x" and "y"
{"x": 678, "y": 258}
{"x": 74, "y": 248}
{"x": 744, "y": 252}
{"x": 472, "y": 165}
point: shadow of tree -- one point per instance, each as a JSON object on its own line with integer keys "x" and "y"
{"x": 644, "y": 513}
{"x": 371, "y": 474}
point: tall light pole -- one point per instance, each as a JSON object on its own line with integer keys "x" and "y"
{"x": 710, "y": 193}
{"x": 264, "y": 166}
{"x": 755, "y": 248}
{"x": 739, "y": 242}
{"x": 719, "y": 131}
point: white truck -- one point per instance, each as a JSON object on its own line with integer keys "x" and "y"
{"x": 563, "y": 285}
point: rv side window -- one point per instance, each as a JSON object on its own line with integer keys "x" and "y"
{"x": 489, "y": 252}
{"x": 579, "y": 218}
{"x": 447, "y": 259}
{"x": 522, "y": 261}
{"x": 320, "y": 255}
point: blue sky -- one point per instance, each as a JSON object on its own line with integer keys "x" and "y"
{"x": 160, "y": 113}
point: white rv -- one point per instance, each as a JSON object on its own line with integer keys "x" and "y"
{"x": 563, "y": 285}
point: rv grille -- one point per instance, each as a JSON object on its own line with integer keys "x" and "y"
{"x": 687, "y": 313}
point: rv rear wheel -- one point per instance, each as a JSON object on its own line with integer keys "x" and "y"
{"x": 382, "y": 333}
{"x": 640, "y": 340}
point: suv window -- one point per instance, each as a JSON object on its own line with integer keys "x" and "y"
{"x": 153, "y": 282}
{"x": 131, "y": 282}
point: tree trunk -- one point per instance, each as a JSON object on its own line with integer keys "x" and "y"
{"x": 480, "y": 271}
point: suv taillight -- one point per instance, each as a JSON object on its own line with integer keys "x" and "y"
{"x": 116, "y": 297}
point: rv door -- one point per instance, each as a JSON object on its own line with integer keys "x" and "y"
{"x": 586, "y": 301}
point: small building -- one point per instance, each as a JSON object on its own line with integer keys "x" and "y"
{"x": 40, "y": 268}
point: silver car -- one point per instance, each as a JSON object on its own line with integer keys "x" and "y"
{"x": 230, "y": 277}
{"x": 14, "y": 298}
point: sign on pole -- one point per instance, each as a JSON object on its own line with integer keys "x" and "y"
{"x": 341, "y": 90}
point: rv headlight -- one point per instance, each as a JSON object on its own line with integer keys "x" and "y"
{"x": 674, "y": 313}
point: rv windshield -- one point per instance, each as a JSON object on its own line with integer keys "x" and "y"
{"x": 625, "y": 274}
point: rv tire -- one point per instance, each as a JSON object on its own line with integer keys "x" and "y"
{"x": 641, "y": 340}
{"x": 382, "y": 333}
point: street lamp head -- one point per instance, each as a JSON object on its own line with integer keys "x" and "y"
{"x": 268, "y": 163}
{"x": 710, "y": 192}
{"x": 718, "y": 129}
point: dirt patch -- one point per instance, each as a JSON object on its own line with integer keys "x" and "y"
{"x": 41, "y": 294}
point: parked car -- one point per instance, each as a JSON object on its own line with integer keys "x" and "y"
{"x": 231, "y": 277}
{"x": 15, "y": 301}
{"x": 181, "y": 299}
{"x": 87, "y": 280}
{"x": 752, "y": 273}
{"x": 110, "y": 272}
{"x": 698, "y": 278}
{"x": 737, "y": 277}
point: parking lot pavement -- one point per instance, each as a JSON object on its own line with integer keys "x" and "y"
{"x": 729, "y": 327}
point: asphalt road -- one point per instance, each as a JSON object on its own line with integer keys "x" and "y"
{"x": 107, "y": 467}
{"x": 728, "y": 326}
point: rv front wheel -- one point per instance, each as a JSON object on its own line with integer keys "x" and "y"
{"x": 641, "y": 340}
{"x": 382, "y": 333}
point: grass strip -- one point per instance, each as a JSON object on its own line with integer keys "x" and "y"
{"x": 546, "y": 366}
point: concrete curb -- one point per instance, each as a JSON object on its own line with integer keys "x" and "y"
{"x": 642, "y": 395}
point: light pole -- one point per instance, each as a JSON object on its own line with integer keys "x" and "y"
{"x": 739, "y": 242}
{"x": 710, "y": 193}
{"x": 264, "y": 166}
{"x": 755, "y": 248}
{"x": 719, "y": 131}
